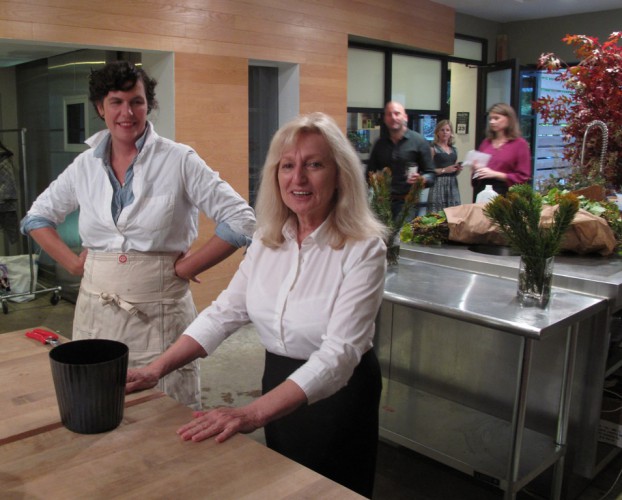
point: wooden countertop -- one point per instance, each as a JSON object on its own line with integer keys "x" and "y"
{"x": 27, "y": 396}
{"x": 142, "y": 458}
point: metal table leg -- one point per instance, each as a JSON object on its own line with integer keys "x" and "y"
{"x": 564, "y": 407}
{"x": 518, "y": 415}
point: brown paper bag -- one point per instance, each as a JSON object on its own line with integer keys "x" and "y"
{"x": 588, "y": 233}
{"x": 468, "y": 224}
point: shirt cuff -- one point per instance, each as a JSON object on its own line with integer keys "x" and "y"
{"x": 31, "y": 222}
{"x": 238, "y": 240}
{"x": 206, "y": 332}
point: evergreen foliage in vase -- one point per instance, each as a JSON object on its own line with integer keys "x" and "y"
{"x": 517, "y": 214}
{"x": 380, "y": 201}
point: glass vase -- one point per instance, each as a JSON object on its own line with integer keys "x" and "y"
{"x": 393, "y": 248}
{"x": 535, "y": 277}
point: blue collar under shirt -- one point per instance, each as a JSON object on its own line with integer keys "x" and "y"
{"x": 122, "y": 195}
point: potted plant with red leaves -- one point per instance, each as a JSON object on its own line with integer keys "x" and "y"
{"x": 594, "y": 94}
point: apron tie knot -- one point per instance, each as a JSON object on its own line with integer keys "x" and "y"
{"x": 106, "y": 298}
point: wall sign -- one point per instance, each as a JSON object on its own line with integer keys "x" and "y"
{"x": 462, "y": 122}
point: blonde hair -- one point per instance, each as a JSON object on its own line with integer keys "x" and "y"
{"x": 512, "y": 131}
{"x": 437, "y": 131}
{"x": 351, "y": 216}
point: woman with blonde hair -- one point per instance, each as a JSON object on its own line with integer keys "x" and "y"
{"x": 444, "y": 193}
{"x": 311, "y": 283}
{"x": 510, "y": 159}
{"x": 350, "y": 217}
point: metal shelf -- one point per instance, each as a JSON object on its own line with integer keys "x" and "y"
{"x": 614, "y": 362}
{"x": 466, "y": 439}
{"x": 605, "y": 453}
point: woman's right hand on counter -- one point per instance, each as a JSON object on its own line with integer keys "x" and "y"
{"x": 139, "y": 379}
{"x": 220, "y": 423}
{"x": 183, "y": 351}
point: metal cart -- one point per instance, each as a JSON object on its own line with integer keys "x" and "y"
{"x": 34, "y": 289}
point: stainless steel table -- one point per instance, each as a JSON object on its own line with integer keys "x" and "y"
{"x": 597, "y": 357}
{"x": 419, "y": 412}
{"x": 587, "y": 274}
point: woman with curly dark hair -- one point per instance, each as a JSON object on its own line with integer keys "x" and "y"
{"x": 139, "y": 197}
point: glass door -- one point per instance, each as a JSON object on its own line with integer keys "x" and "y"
{"x": 497, "y": 82}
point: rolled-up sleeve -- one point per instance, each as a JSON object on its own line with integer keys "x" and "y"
{"x": 53, "y": 205}
{"x": 217, "y": 199}
{"x": 238, "y": 240}
{"x": 31, "y": 222}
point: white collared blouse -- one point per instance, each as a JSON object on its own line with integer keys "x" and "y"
{"x": 171, "y": 184}
{"x": 311, "y": 302}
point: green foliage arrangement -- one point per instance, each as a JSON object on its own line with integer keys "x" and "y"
{"x": 380, "y": 202}
{"x": 517, "y": 214}
{"x": 575, "y": 178}
{"x": 429, "y": 229}
{"x": 380, "y": 183}
{"x": 432, "y": 229}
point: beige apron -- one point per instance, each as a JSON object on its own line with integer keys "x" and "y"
{"x": 136, "y": 298}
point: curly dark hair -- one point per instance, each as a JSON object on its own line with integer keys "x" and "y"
{"x": 120, "y": 75}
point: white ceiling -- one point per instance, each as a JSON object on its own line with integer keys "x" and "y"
{"x": 14, "y": 53}
{"x": 504, "y": 11}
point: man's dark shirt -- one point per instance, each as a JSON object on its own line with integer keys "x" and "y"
{"x": 411, "y": 149}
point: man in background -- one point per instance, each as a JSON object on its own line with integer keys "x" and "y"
{"x": 402, "y": 150}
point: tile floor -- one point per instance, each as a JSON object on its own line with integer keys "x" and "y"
{"x": 232, "y": 376}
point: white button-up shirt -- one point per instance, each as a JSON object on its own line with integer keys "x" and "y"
{"x": 312, "y": 303}
{"x": 171, "y": 185}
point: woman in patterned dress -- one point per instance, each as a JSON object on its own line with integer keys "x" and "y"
{"x": 444, "y": 193}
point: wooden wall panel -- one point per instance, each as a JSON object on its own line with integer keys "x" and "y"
{"x": 322, "y": 85}
{"x": 211, "y": 101}
{"x": 213, "y": 41}
{"x": 221, "y": 27}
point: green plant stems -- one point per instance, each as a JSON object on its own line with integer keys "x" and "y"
{"x": 517, "y": 215}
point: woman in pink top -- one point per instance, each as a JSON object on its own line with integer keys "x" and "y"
{"x": 510, "y": 161}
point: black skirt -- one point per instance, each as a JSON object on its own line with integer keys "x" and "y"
{"x": 337, "y": 436}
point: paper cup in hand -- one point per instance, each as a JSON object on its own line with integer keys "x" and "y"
{"x": 412, "y": 171}
{"x": 89, "y": 378}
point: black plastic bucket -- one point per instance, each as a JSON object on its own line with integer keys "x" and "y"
{"x": 89, "y": 378}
